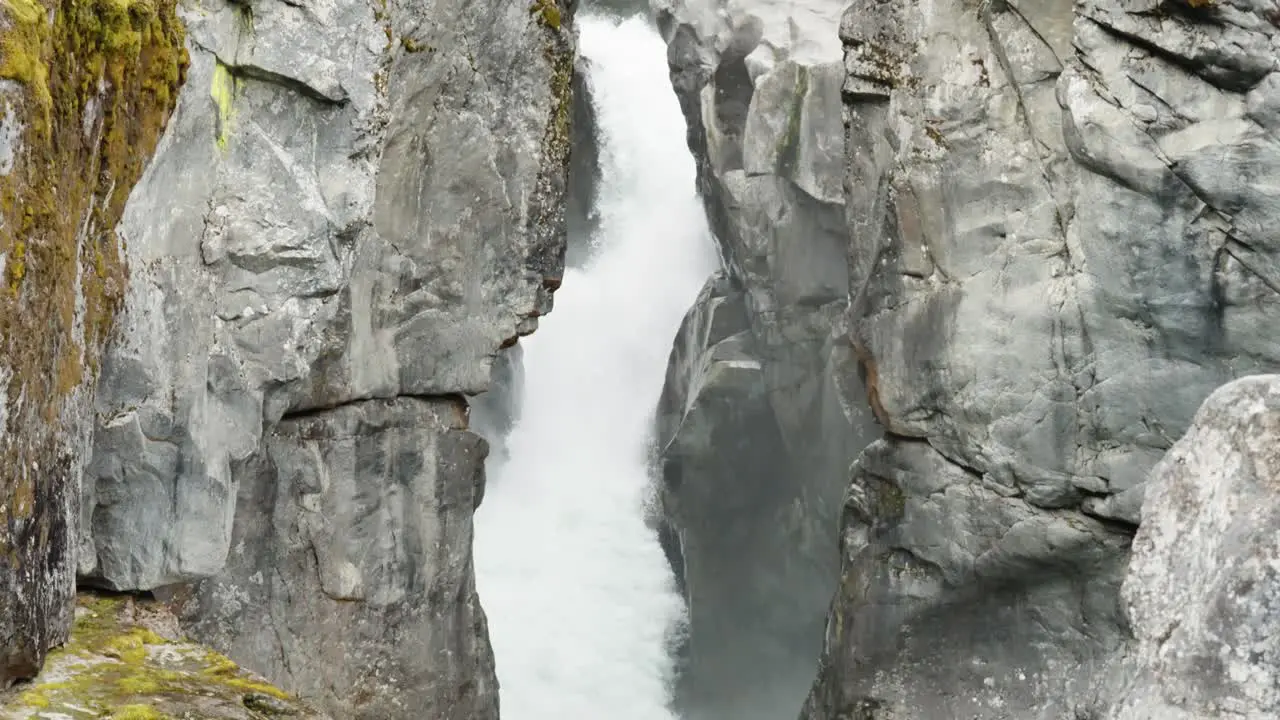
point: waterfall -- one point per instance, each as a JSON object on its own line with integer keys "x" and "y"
{"x": 580, "y": 599}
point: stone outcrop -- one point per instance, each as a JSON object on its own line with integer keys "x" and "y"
{"x": 354, "y": 207}
{"x": 762, "y": 412}
{"x": 282, "y": 451}
{"x": 1057, "y": 230}
{"x": 1203, "y": 588}
{"x": 126, "y": 660}
{"x": 86, "y": 89}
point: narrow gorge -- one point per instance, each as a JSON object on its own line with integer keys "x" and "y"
{"x": 583, "y": 608}
{"x": 627, "y": 360}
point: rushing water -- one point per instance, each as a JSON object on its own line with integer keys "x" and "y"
{"x": 580, "y": 599}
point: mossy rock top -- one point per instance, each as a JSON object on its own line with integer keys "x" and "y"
{"x": 126, "y": 661}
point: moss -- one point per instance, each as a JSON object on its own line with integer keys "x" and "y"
{"x": 223, "y": 92}
{"x": 935, "y": 135}
{"x": 96, "y": 81}
{"x": 562, "y": 97}
{"x": 558, "y": 52}
{"x": 111, "y": 668}
{"x": 411, "y": 45}
{"x": 548, "y": 12}
{"x": 138, "y": 712}
{"x": 892, "y": 502}
{"x": 23, "y": 45}
{"x": 34, "y": 698}
{"x": 258, "y": 687}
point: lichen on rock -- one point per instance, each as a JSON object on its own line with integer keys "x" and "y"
{"x": 91, "y": 86}
{"x": 124, "y": 661}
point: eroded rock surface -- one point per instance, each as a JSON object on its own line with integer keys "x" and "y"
{"x": 356, "y": 205}
{"x": 760, "y": 420}
{"x": 1054, "y": 222}
{"x": 359, "y": 591}
{"x": 1048, "y": 276}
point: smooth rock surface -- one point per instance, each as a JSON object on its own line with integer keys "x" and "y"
{"x": 350, "y": 578}
{"x": 1203, "y": 589}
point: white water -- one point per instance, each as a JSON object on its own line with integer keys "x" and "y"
{"x": 579, "y": 596}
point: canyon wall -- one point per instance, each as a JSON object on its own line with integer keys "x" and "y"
{"x": 762, "y": 412}
{"x": 1058, "y": 233}
{"x": 352, "y": 209}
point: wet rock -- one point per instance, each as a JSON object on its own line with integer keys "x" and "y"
{"x": 759, "y": 84}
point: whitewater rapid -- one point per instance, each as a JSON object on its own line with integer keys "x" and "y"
{"x": 580, "y": 600}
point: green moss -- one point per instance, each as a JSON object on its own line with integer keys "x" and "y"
{"x": 138, "y": 712}
{"x": 892, "y": 502}
{"x": 110, "y": 669}
{"x": 548, "y": 11}
{"x": 98, "y": 81}
{"x": 23, "y": 46}
{"x": 259, "y": 687}
{"x": 223, "y": 92}
{"x": 34, "y": 698}
{"x": 17, "y": 266}
{"x": 559, "y": 54}
{"x": 413, "y": 46}
{"x": 935, "y": 135}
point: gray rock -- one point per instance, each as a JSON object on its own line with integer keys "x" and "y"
{"x": 759, "y": 84}
{"x": 1057, "y": 251}
{"x": 1203, "y": 590}
{"x": 1059, "y": 238}
{"x": 961, "y": 600}
{"x": 352, "y": 203}
{"x": 350, "y": 578}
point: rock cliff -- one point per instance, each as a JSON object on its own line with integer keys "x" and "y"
{"x": 86, "y": 88}
{"x": 352, "y": 209}
{"x": 1058, "y": 234}
{"x": 760, "y": 418}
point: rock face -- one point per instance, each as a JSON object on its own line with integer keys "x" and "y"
{"x": 85, "y": 91}
{"x": 1049, "y": 275}
{"x": 1057, "y": 226}
{"x": 354, "y": 207}
{"x": 359, "y": 590}
{"x": 762, "y": 412}
{"x": 1203, "y": 589}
